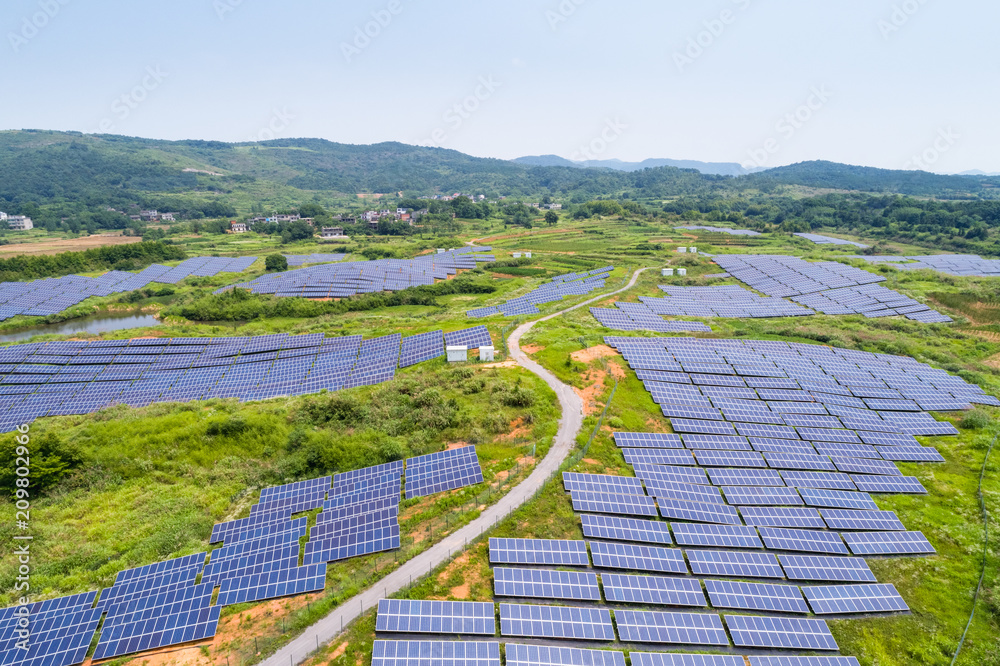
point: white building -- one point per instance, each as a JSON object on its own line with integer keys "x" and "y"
{"x": 332, "y": 232}
{"x": 19, "y": 223}
{"x": 3, "y": 217}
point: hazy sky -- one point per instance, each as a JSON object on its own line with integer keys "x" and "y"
{"x": 873, "y": 82}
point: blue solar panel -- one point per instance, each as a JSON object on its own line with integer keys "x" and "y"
{"x": 538, "y": 551}
{"x": 817, "y": 567}
{"x": 679, "y": 628}
{"x": 756, "y": 596}
{"x": 435, "y": 617}
{"x": 555, "y": 622}
{"x": 542, "y": 584}
{"x": 543, "y": 655}
{"x": 741, "y": 564}
{"x": 272, "y": 584}
{"x": 637, "y": 557}
{"x": 774, "y": 632}
{"x": 439, "y": 653}
{"x": 659, "y": 590}
{"x": 625, "y": 529}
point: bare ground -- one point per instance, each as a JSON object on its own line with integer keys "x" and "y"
{"x": 56, "y": 246}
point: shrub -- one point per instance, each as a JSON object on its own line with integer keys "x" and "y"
{"x": 977, "y": 419}
{"x": 50, "y": 459}
{"x": 276, "y": 262}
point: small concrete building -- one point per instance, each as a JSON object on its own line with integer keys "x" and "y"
{"x": 682, "y": 271}
{"x": 667, "y": 272}
{"x": 458, "y": 354}
{"x": 486, "y": 353}
{"x": 693, "y": 250}
{"x": 682, "y": 250}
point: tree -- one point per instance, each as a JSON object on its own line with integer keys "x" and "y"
{"x": 551, "y": 218}
{"x": 276, "y": 262}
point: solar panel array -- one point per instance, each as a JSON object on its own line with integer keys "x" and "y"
{"x": 872, "y": 301}
{"x": 829, "y": 240}
{"x": 159, "y": 605}
{"x": 638, "y": 317}
{"x": 444, "y": 470}
{"x": 79, "y": 377}
{"x": 347, "y": 278}
{"x": 727, "y": 301}
{"x": 721, "y": 230}
{"x": 782, "y": 276}
{"x": 315, "y": 258}
{"x": 802, "y": 525}
{"x": 951, "y": 264}
{"x": 572, "y": 284}
{"x": 49, "y": 296}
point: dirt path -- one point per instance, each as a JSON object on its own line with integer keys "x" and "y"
{"x": 331, "y": 627}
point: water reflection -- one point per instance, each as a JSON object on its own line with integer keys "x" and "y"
{"x": 95, "y": 324}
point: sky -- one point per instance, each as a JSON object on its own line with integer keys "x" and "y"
{"x": 898, "y": 84}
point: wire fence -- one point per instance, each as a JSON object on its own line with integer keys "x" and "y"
{"x": 986, "y": 545}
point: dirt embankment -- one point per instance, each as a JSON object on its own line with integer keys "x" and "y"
{"x": 65, "y": 245}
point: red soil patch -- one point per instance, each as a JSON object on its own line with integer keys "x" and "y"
{"x": 517, "y": 429}
{"x": 531, "y": 349}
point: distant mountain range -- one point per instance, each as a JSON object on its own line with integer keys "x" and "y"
{"x": 713, "y": 168}
{"x": 72, "y": 171}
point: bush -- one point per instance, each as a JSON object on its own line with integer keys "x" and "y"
{"x": 977, "y": 419}
{"x": 50, "y": 459}
{"x": 276, "y": 262}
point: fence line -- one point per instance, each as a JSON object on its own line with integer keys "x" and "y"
{"x": 986, "y": 544}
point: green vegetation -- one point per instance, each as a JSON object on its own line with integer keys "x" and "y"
{"x": 129, "y": 257}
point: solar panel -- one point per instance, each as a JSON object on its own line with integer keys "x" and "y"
{"x": 724, "y": 563}
{"x": 443, "y": 470}
{"x": 808, "y": 541}
{"x": 625, "y": 529}
{"x": 680, "y": 628}
{"x": 542, "y": 584}
{"x": 838, "y": 499}
{"x": 658, "y": 457}
{"x": 780, "y": 632}
{"x": 351, "y": 544}
{"x": 719, "y": 536}
{"x": 888, "y": 543}
{"x": 670, "y": 473}
{"x": 700, "y": 512}
{"x": 840, "y": 599}
{"x": 272, "y": 584}
{"x": 803, "y": 661}
{"x": 888, "y": 484}
{"x": 746, "y": 477}
{"x": 538, "y": 551}
{"x": 848, "y": 519}
{"x": 156, "y": 632}
{"x": 629, "y": 505}
{"x": 657, "y": 590}
{"x": 781, "y": 517}
{"x": 555, "y": 622}
{"x": 437, "y": 653}
{"x": 702, "y": 427}
{"x": 865, "y": 466}
{"x": 544, "y": 655}
{"x": 659, "y": 659}
{"x": 816, "y": 567}
{"x": 755, "y": 596}
{"x": 821, "y": 480}
{"x": 687, "y": 492}
{"x": 729, "y": 458}
{"x": 647, "y": 440}
{"x": 765, "y": 496}
{"x": 637, "y": 557}
{"x": 435, "y": 617}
